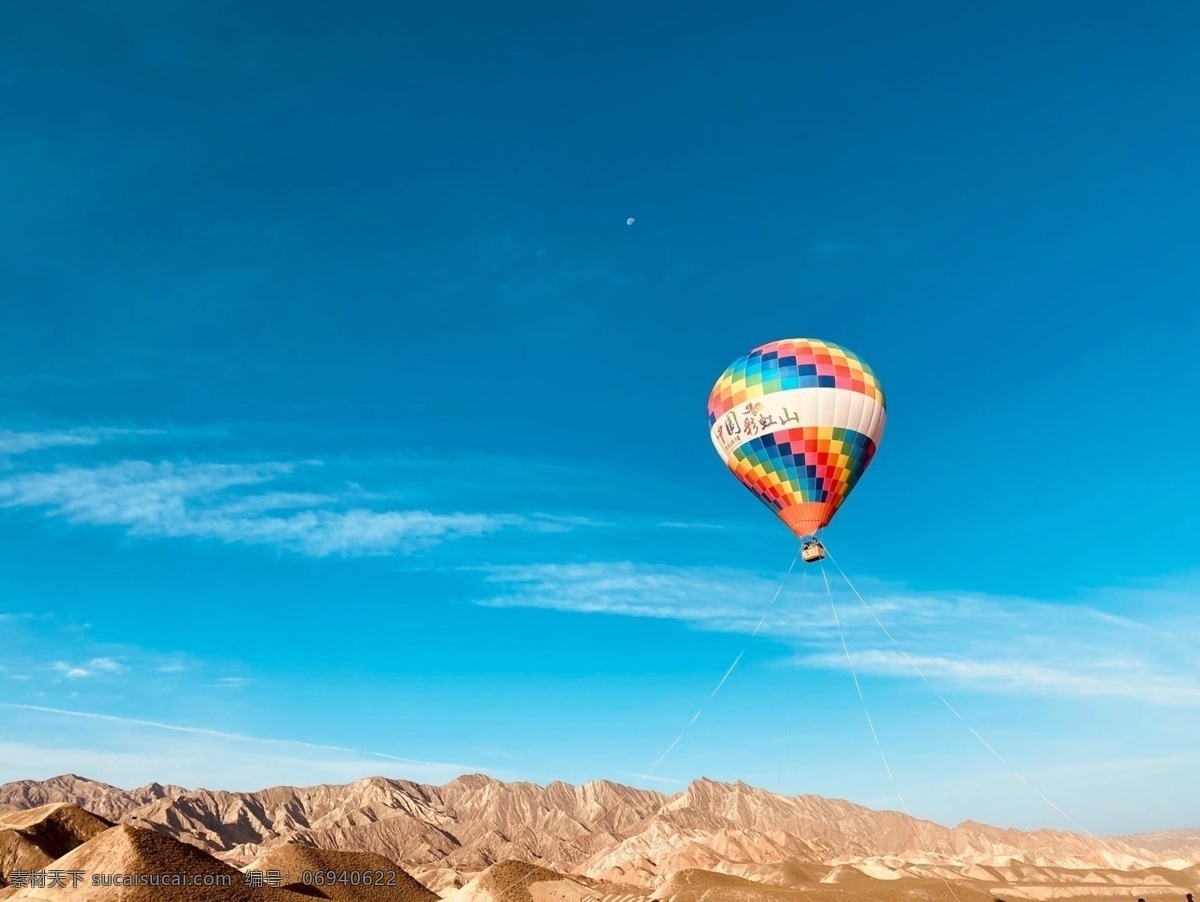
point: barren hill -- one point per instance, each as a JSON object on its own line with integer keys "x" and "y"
{"x": 33, "y": 838}
{"x": 162, "y": 870}
{"x": 515, "y": 881}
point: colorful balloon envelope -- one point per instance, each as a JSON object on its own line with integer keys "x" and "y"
{"x": 798, "y": 421}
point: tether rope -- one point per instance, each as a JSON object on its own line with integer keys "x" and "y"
{"x": 871, "y": 723}
{"x": 950, "y": 707}
{"x": 728, "y": 672}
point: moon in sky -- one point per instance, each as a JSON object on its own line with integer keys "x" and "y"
{"x": 629, "y": 221}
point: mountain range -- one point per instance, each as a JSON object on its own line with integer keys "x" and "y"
{"x": 630, "y": 843}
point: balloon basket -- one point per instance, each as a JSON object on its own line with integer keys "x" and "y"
{"x": 812, "y": 551}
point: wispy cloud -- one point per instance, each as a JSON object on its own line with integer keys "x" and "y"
{"x": 240, "y": 503}
{"x": 968, "y": 640}
{"x": 9, "y": 674}
{"x": 94, "y": 667}
{"x": 1103, "y": 679}
{"x": 721, "y": 599}
{"x": 174, "y": 728}
{"x": 24, "y": 442}
{"x": 652, "y": 777}
{"x": 352, "y": 762}
{"x": 64, "y": 664}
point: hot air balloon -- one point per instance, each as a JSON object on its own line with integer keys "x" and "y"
{"x": 797, "y": 421}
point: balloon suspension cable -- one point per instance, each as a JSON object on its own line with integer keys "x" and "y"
{"x": 736, "y": 661}
{"x": 791, "y": 721}
{"x": 950, "y": 707}
{"x": 916, "y": 824}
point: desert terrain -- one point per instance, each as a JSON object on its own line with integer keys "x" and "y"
{"x": 476, "y": 839}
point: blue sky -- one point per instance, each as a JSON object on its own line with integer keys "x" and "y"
{"x": 348, "y": 429}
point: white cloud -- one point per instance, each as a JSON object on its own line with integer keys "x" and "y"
{"x": 225, "y": 502}
{"x": 61, "y": 652}
{"x": 1107, "y": 679}
{"x": 652, "y": 777}
{"x": 141, "y": 495}
{"x": 275, "y": 501}
{"x": 94, "y": 667}
{"x": 24, "y": 442}
{"x": 563, "y": 522}
{"x": 321, "y": 533}
{"x": 21, "y": 442}
{"x": 719, "y": 598}
{"x": 107, "y": 665}
{"x": 722, "y": 599}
